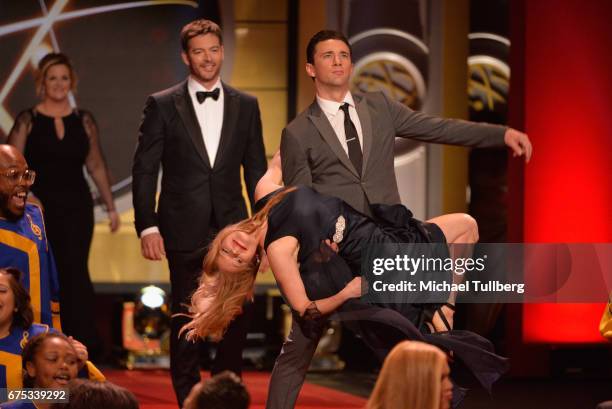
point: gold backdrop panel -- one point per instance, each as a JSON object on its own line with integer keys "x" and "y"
{"x": 116, "y": 258}
{"x": 260, "y": 56}
{"x": 266, "y": 10}
{"x": 273, "y": 106}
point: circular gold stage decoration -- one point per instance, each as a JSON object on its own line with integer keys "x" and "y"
{"x": 397, "y": 76}
{"x": 488, "y": 83}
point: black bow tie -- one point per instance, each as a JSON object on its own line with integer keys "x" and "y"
{"x": 202, "y": 95}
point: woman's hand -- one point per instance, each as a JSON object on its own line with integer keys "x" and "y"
{"x": 332, "y": 245}
{"x": 353, "y": 288}
{"x": 113, "y": 220}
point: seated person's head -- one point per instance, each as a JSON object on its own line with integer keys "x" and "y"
{"x": 15, "y": 308}
{"x": 222, "y": 391}
{"x": 85, "y": 394}
{"x": 414, "y": 375}
{"x": 49, "y": 361}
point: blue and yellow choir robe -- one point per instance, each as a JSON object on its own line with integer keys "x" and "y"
{"x": 23, "y": 244}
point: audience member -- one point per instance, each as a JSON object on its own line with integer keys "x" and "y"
{"x": 222, "y": 391}
{"x": 16, "y": 329}
{"x": 23, "y": 237}
{"x": 86, "y": 394}
{"x": 414, "y": 375}
{"x": 50, "y": 361}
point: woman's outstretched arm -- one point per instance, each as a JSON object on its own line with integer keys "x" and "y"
{"x": 282, "y": 255}
{"x": 271, "y": 180}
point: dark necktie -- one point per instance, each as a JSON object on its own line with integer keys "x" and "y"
{"x": 352, "y": 140}
{"x": 202, "y": 95}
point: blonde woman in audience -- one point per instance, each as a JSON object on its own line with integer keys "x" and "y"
{"x": 415, "y": 375}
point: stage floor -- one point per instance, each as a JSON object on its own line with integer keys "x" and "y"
{"x": 349, "y": 390}
{"x": 153, "y": 389}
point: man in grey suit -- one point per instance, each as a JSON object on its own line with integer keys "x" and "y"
{"x": 343, "y": 145}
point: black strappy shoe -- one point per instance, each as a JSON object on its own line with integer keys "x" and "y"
{"x": 425, "y": 322}
{"x": 442, "y": 316}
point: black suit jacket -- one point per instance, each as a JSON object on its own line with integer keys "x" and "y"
{"x": 192, "y": 190}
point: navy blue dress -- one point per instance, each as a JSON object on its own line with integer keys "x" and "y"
{"x": 312, "y": 218}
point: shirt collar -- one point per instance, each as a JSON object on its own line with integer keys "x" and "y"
{"x": 331, "y": 108}
{"x": 194, "y": 86}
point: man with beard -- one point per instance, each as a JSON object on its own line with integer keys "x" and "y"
{"x": 201, "y": 132}
{"x": 23, "y": 240}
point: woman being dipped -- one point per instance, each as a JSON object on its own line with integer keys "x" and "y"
{"x": 291, "y": 227}
{"x": 57, "y": 141}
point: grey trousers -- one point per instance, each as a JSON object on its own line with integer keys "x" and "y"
{"x": 291, "y": 365}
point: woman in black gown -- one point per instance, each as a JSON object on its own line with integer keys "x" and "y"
{"x": 57, "y": 141}
{"x": 298, "y": 228}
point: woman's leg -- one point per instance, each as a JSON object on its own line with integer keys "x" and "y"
{"x": 461, "y": 232}
{"x": 457, "y": 228}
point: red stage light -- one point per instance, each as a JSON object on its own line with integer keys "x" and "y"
{"x": 568, "y": 109}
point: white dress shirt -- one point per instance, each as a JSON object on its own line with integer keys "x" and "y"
{"x": 335, "y": 115}
{"x": 210, "y": 118}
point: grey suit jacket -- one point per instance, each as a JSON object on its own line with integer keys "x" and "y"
{"x": 312, "y": 155}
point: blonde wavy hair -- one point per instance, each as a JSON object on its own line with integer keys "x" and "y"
{"x": 410, "y": 378}
{"x": 227, "y": 290}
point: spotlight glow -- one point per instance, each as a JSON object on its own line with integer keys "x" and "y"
{"x": 152, "y": 296}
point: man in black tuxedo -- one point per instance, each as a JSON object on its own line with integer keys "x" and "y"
{"x": 201, "y": 131}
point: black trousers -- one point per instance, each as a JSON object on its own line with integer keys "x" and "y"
{"x": 185, "y": 270}
{"x": 70, "y": 232}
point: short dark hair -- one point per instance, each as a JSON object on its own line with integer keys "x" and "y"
{"x": 223, "y": 391}
{"x": 324, "y": 35}
{"x": 23, "y": 317}
{"x": 199, "y": 27}
{"x": 86, "y": 394}
{"x": 31, "y": 348}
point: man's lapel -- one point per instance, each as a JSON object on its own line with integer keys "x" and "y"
{"x": 184, "y": 106}
{"x": 320, "y": 121}
{"x": 365, "y": 119}
{"x": 231, "y": 108}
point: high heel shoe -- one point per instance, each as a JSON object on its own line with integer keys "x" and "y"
{"x": 430, "y": 315}
{"x": 442, "y": 316}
